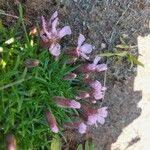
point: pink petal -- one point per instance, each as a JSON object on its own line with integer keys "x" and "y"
{"x": 55, "y": 129}
{"x": 54, "y": 25}
{"x": 101, "y": 67}
{"x": 64, "y": 31}
{"x": 55, "y": 49}
{"x": 86, "y": 48}
{"x": 96, "y": 60}
{"x": 96, "y": 85}
{"x": 97, "y": 95}
{"x": 81, "y": 39}
{"x": 92, "y": 119}
{"x": 44, "y": 27}
{"x": 43, "y": 37}
{"x": 103, "y": 112}
{"x": 101, "y": 120}
{"x": 92, "y": 67}
{"x": 55, "y": 14}
{"x": 82, "y": 128}
{"x": 84, "y": 55}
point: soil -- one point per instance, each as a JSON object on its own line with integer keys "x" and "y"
{"x": 102, "y": 21}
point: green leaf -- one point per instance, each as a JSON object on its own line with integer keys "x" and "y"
{"x": 121, "y": 54}
{"x": 134, "y": 60}
{"x": 80, "y": 147}
{"x": 122, "y": 46}
{"x": 55, "y": 144}
{"x": 122, "y": 41}
{"x": 87, "y": 145}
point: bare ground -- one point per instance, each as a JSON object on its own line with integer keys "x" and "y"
{"x": 103, "y": 22}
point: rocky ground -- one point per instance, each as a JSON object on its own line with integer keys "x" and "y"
{"x": 104, "y": 21}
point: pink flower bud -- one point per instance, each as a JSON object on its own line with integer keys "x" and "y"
{"x": 71, "y": 60}
{"x": 82, "y": 95}
{"x": 70, "y": 76}
{"x": 72, "y": 52}
{"x": 51, "y": 122}
{"x": 10, "y": 142}
{"x": 67, "y": 103}
{"x": 30, "y": 63}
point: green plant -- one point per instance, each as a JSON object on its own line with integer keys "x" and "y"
{"x": 39, "y": 92}
{"x": 25, "y": 92}
{"x": 121, "y": 50}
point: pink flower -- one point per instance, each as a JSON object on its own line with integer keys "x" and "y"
{"x": 83, "y": 49}
{"x": 88, "y": 115}
{"x": 70, "y": 76}
{"x": 51, "y": 121}
{"x": 102, "y": 114}
{"x": 92, "y": 116}
{"x": 67, "y": 103}
{"x": 97, "y": 90}
{"x": 50, "y": 34}
{"x": 88, "y": 68}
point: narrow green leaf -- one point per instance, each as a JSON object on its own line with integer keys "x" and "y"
{"x": 87, "y": 145}
{"x": 121, "y": 54}
{"x": 122, "y": 41}
{"x": 80, "y": 147}
{"x": 55, "y": 144}
{"x": 134, "y": 60}
{"x": 122, "y": 46}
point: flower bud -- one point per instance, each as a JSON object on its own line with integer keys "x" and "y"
{"x": 50, "y": 118}
{"x": 70, "y": 76}
{"x": 66, "y": 103}
{"x": 10, "y": 142}
{"x": 82, "y": 95}
{"x": 30, "y": 63}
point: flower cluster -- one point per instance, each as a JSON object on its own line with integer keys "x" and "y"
{"x": 50, "y": 38}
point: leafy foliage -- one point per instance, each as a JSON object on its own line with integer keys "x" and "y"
{"x": 25, "y": 93}
{"x": 125, "y": 53}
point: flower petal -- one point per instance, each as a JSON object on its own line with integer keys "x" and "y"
{"x": 53, "y": 17}
{"x": 92, "y": 67}
{"x": 96, "y": 60}
{"x": 45, "y": 28}
{"x": 86, "y": 48}
{"x": 103, "y": 112}
{"x": 82, "y": 128}
{"x": 81, "y": 39}
{"x": 101, "y": 67}
{"x": 54, "y": 25}
{"x": 84, "y": 55}
{"x": 55, "y": 49}
{"x": 43, "y": 36}
{"x": 64, "y": 31}
{"x": 101, "y": 120}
